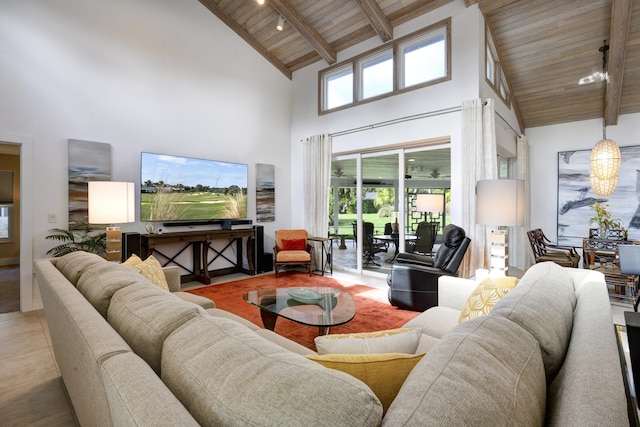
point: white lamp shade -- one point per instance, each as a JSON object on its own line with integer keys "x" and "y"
{"x": 605, "y": 160}
{"x": 500, "y": 202}
{"x": 432, "y": 203}
{"x": 111, "y": 202}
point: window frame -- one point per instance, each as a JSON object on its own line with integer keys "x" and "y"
{"x": 394, "y": 46}
{"x": 9, "y": 238}
{"x": 335, "y": 71}
{"x": 498, "y": 82}
{"x": 420, "y": 41}
{"x": 375, "y": 58}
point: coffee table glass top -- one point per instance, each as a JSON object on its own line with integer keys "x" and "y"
{"x": 313, "y": 306}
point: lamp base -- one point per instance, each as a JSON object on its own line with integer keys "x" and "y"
{"x": 114, "y": 244}
{"x": 499, "y": 253}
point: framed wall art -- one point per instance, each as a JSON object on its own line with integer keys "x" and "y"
{"x": 575, "y": 196}
{"x": 88, "y": 161}
{"x": 265, "y": 193}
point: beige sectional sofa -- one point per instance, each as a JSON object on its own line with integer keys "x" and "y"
{"x": 133, "y": 354}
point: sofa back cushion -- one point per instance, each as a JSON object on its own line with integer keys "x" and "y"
{"x": 144, "y": 315}
{"x": 225, "y": 374}
{"x": 543, "y": 304}
{"x": 74, "y": 264}
{"x": 486, "y": 371}
{"x": 100, "y": 281}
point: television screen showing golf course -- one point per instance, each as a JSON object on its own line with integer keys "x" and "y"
{"x": 175, "y": 188}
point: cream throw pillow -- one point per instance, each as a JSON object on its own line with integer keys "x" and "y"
{"x": 150, "y": 269}
{"x": 383, "y": 373}
{"x": 485, "y": 296}
{"x": 401, "y": 340}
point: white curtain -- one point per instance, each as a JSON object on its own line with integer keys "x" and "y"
{"x": 316, "y": 181}
{"x": 520, "y": 255}
{"x": 479, "y": 161}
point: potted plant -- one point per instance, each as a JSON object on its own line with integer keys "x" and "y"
{"x": 77, "y": 240}
{"x": 603, "y": 220}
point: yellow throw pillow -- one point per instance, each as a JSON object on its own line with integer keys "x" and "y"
{"x": 383, "y": 373}
{"x": 485, "y": 296}
{"x": 150, "y": 268}
{"x": 401, "y": 340}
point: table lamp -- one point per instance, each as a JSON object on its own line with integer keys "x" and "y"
{"x": 112, "y": 203}
{"x": 430, "y": 204}
{"x": 500, "y": 202}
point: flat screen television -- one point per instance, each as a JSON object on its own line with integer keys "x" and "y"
{"x": 185, "y": 189}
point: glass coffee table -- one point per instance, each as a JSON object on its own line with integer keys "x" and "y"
{"x": 318, "y": 306}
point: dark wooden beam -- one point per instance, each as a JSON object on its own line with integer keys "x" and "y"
{"x": 376, "y": 18}
{"x": 306, "y": 30}
{"x": 620, "y": 21}
{"x": 213, "y": 7}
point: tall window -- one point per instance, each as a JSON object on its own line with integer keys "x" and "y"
{"x": 494, "y": 73}
{"x": 411, "y": 62}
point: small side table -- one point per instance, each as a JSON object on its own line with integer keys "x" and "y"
{"x": 325, "y": 252}
{"x": 342, "y": 237}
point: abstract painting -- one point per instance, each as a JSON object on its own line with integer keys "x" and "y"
{"x": 265, "y": 193}
{"x": 88, "y": 161}
{"x": 575, "y": 196}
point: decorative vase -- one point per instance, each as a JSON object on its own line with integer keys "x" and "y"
{"x": 603, "y": 233}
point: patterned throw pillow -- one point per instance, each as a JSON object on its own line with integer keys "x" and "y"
{"x": 383, "y": 373}
{"x": 485, "y": 296}
{"x": 150, "y": 269}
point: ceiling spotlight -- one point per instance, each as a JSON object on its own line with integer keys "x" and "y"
{"x": 280, "y": 25}
{"x": 260, "y": 2}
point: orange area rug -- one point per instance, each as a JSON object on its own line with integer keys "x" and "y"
{"x": 373, "y": 311}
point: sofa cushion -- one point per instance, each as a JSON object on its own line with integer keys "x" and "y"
{"x": 100, "y": 281}
{"x": 484, "y": 370}
{"x": 543, "y": 304}
{"x": 150, "y": 269}
{"x": 294, "y": 244}
{"x": 401, "y": 340}
{"x": 145, "y": 315}
{"x": 225, "y": 374}
{"x": 74, "y": 264}
{"x": 136, "y": 395}
{"x": 383, "y": 373}
{"x": 485, "y": 296}
{"x": 589, "y": 388}
{"x": 436, "y": 321}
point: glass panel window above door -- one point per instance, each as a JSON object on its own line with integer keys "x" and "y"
{"x": 424, "y": 59}
{"x": 338, "y": 87}
{"x": 376, "y": 75}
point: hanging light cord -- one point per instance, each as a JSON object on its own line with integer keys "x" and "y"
{"x": 604, "y": 49}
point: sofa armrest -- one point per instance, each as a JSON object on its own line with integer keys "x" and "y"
{"x": 454, "y": 291}
{"x": 172, "y": 274}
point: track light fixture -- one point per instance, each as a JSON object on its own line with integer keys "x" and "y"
{"x": 280, "y": 25}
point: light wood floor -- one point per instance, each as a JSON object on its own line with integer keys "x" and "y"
{"x": 31, "y": 390}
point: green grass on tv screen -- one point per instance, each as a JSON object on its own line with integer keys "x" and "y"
{"x": 191, "y": 206}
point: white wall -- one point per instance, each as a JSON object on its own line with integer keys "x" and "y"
{"x": 544, "y": 144}
{"x": 467, "y": 28}
{"x": 142, "y": 75}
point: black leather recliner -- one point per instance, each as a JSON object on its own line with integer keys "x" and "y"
{"x": 413, "y": 281}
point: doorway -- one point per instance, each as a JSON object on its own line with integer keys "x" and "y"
{"x": 9, "y": 227}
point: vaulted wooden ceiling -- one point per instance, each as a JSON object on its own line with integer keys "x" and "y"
{"x": 545, "y": 46}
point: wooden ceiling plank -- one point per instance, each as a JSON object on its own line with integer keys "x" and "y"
{"x": 213, "y": 7}
{"x": 376, "y": 18}
{"x": 620, "y": 21}
{"x": 487, "y": 7}
{"x": 300, "y": 24}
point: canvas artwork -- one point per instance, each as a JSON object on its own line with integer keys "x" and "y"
{"x": 575, "y": 196}
{"x": 265, "y": 193}
{"x": 88, "y": 161}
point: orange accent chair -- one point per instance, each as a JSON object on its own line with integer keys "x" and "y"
{"x": 292, "y": 248}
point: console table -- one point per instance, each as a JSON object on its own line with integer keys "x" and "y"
{"x": 602, "y": 255}
{"x": 200, "y": 242}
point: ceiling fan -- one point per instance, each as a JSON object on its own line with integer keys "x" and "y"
{"x": 338, "y": 172}
{"x": 435, "y": 174}
{"x": 598, "y": 76}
